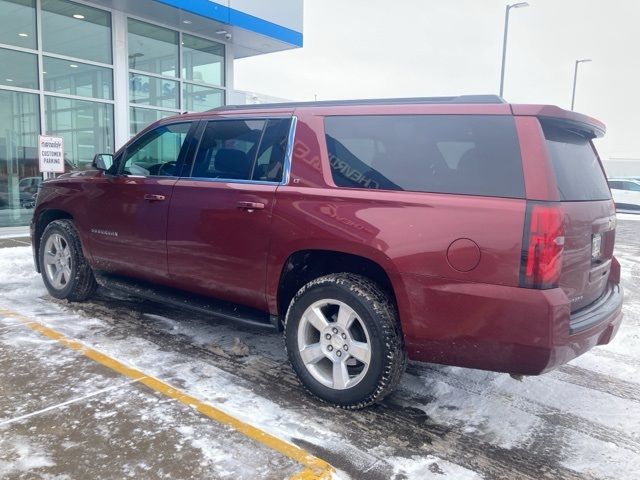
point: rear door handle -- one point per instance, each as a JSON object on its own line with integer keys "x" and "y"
{"x": 154, "y": 198}
{"x": 250, "y": 206}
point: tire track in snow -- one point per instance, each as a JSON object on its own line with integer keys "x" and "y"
{"x": 597, "y": 381}
{"x": 550, "y": 414}
{"x": 404, "y": 431}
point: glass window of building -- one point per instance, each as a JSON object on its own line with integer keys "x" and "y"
{"x": 19, "y": 129}
{"x": 18, "y": 23}
{"x": 199, "y": 99}
{"x": 203, "y": 60}
{"x": 143, "y": 117}
{"x": 18, "y": 69}
{"x": 153, "y": 49}
{"x": 76, "y": 78}
{"x": 154, "y": 91}
{"x": 76, "y": 30}
{"x": 87, "y": 128}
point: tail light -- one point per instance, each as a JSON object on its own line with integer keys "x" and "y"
{"x": 542, "y": 245}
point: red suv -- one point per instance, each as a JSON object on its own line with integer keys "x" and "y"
{"x": 464, "y": 231}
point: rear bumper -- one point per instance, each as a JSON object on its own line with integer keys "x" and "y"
{"x": 500, "y": 328}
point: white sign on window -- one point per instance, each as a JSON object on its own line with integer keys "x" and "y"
{"x": 51, "y": 154}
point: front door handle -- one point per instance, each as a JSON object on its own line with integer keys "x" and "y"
{"x": 251, "y": 206}
{"x": 154, "y": 198}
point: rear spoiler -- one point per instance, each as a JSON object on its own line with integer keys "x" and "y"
{"x": 583, "y": 124}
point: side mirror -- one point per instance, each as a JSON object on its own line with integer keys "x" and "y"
{"x": 103, "y": 161}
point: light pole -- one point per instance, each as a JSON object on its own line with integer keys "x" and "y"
{"x": 504, "y": 41}
{"x": 575, "y": 79}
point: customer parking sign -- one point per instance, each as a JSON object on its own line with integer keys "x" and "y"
{"x": 51, "y": 154}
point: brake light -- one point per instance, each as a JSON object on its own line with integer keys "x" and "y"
{"x": 542, "y": 246}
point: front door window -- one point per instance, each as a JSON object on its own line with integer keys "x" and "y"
{"x": 156, "y": 153}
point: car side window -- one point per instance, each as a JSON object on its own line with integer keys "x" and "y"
{"x": 632, "y": 187}
{"x": 273, "y": 149}
{"x": 456, "y": 154}
{"x": 156, "y": 153}
{"x": 615, "y": 185}
{"x": 228, "y": 149}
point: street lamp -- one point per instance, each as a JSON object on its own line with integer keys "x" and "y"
{"x": 575, "y": 79}
{"x": 504, "y": 41}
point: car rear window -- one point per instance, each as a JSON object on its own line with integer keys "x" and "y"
{"x": 578, "y": 172}
{"x": 460, "y": 154}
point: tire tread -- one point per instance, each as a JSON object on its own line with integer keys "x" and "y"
{"x": 395, "y": 360}
{"x": 84, "y": 284}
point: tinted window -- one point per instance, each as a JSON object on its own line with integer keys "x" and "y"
{"x": 152, "y": 49}
{"x": 228, "y": 149}
{"x": 76, "y": 78}
{"x": 76, "y": 30}
{"x": 633, "y": 187}
{"x": 578, "y": 172}
{"x": 464, "y": 154}
{"x": 273, "y": 148}
{"x": 18, "y": 69}
{"x": 157, "y": 152}
{"x": 18, "y": 23}
{"x": 615, "y": 185}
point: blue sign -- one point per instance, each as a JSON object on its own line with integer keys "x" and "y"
{"x": 236, "y": 18}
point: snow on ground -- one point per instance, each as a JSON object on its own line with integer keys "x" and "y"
{"x": 443, "y": 422}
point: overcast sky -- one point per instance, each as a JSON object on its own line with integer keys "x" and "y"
{"x": 374, "y": 48}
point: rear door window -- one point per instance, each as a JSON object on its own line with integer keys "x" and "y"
{"x": 252, "y": 149}
{"x": 461, "y": 154}
{"x": 228, "y": 149}
{"x": 578, "y": 172}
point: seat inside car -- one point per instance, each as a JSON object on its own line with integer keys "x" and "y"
{"x": 233, "y": 164}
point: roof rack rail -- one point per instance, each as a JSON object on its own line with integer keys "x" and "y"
{"x": 463, "y": 99}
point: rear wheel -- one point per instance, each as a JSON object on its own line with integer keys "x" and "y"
{"x": 65, "y": 271}
{"x": 344, "y": 340}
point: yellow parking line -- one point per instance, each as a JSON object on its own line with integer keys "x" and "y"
{"x": 315, "y": 468}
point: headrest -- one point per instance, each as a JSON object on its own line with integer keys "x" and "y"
{"x": 232, "y": 161}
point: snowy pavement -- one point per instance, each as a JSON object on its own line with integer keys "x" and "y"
{"x": 580, "y": 421}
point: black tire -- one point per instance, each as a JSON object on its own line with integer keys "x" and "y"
{"x": 82, "y": 284}
{"x": 377, "y": 312}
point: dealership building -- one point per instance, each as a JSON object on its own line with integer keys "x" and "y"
{"x": 97, "y": 72}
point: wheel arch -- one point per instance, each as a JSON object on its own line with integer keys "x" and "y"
{"x": 302, "y": 266}
{"x": 45, "y": 218}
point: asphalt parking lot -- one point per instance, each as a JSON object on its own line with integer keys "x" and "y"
{"x": 125, "y": 388}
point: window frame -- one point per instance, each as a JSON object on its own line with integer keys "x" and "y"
{"x": 187, "y": 170}
{"x": 180, "y": 161}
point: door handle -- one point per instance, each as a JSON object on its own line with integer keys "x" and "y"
{"x": 154, "y": 198}
{"x": 251, "y": 206}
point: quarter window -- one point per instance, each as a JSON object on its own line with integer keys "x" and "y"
{"x": 461, "y": 154}
{"x": 157, "y": 152}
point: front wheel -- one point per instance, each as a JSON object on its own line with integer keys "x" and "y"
{"x": 344, "y": 340}
{"x": 65, "y": 271}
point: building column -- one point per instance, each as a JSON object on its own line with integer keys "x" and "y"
{"x": 228, "y": 73}
{"x": 121, "y": 79}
